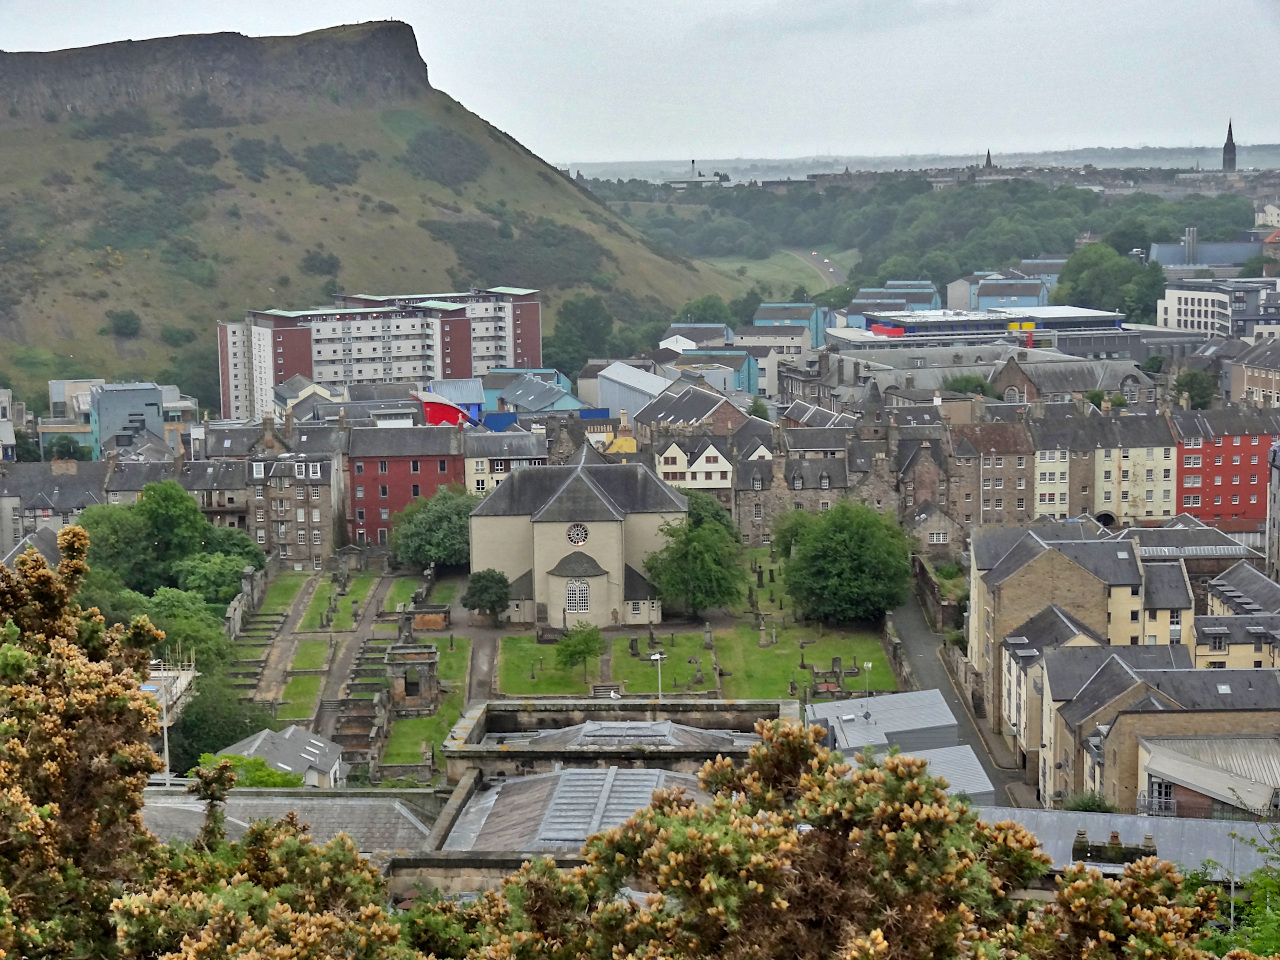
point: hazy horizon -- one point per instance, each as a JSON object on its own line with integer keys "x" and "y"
{"x": 595, "y": 83}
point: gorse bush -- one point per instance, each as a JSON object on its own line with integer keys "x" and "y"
{"x": 319, "y": 264}
{"x": 542, "y": 254}
{"x": 117, "y": 123}
{"x": 327, "y": 165}
{"x": 446, "y": 157}
{"x": 201, "y": 111}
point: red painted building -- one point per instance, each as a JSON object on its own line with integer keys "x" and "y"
{"x": 389, "y": 468}
{"x": 1222, "y": 464}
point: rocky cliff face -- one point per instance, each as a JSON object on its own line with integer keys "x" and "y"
{"x": 363, "y": 64}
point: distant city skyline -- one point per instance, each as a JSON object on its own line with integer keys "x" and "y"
{"x": 582, "y": 83}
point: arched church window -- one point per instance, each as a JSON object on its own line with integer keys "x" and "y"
{"x": 577, "y": 594}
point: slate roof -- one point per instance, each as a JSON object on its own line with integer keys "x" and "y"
{"x": 1244, "y": 584}
{"x": 45, "y": 542}
{"x": 508, "y": 444}
{"x": 317, "y": 438}
{"x": 1265, "y": 355}
{"x": 991, "y": 543}
{"x": 691, "y": 405}
{"x": 1229, "y": 421}
{"x": 1239, "y": 629}
{"x": 37, "y": 487}
{"x": 812, "y": 416}
{"x": 467, "y": 391}
{"x": 1218, "y": 689}
{"x": 376, "y": 825}
{"x": 817, "y": 438}
{"x": 698, "y": 333}
{"x": 364, "y": 392}
{"x": 636, "y": 587}
{"x": 1047, "y": 630}
{"x": 1081, "y": 376}
{"x": 577, "y": 564}
{"x": 531, "y": 394}
{"x": 811, "y": 473}
{"x": 213, "y": 475}
{"x": 426, "y": 441}
{"x": 133, "y": 475}
{"x": 581, "y": 492}
{"x": 1068, "y": 669}
{"x": 655, "y": 733}
{"x": 747, "y": 470}
{"x": 1111, "y": 680}
{"x": 800, "y": 312}
{"x": 372, "y": 410}
{"x": 998, "y": 438}
{"x": 1174, "y": 541}
{"x": 291, "y": 750}
{"x": 557, "y": 811}
{"x": 1112, "y": 563}
{"x": 1165, "y": 587}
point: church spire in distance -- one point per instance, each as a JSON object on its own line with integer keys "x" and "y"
{"x": 1229, "y": 151}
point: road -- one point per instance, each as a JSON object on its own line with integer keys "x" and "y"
{"x": 922, "y": 646}
{"x": 830, "y": 273}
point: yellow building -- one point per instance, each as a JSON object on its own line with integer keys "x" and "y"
{"x": 573, "y": 540}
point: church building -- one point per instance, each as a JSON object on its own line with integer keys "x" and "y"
{"x": 1229, "y": 152}
{"x": 573, "y": 540}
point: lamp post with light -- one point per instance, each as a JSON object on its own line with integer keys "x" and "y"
{"x": 658, "y": 658}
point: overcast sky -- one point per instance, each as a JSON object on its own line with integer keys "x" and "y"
{"x": 665, "y": 79}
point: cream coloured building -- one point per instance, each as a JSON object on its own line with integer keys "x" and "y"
{"x": 573, "y": 540}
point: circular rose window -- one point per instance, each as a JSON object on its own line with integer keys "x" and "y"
{"x": 577, "y": 534}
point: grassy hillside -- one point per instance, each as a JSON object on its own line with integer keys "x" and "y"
{"x": 186, "y": 208}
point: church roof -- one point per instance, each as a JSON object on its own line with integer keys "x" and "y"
{"x": 581, "y": 492}
{"x": 577, "y": 564}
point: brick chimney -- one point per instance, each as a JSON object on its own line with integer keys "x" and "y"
{"x": 288, "y": 422}
{"x": 624, "y": 425}
{"x": 268, "y": 431}
{"x": 64, "y": 467}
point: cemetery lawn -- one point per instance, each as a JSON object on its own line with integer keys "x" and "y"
{"x": 517, "y": 656}
{"x": 766, "y": 673}
{"x": 640, "y": 675}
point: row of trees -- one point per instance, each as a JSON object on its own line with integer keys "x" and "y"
{"x": 798, "y": 854}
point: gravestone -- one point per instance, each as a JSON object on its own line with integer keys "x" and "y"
{"x": 635, "y": 646}
{"x": 707, "y": 643}
{"x": 771, "y": 575}
{"x": 760, "y": 578}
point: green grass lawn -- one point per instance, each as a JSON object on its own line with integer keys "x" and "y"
{"x": 310, "y": 655}
{"x": 444, "y": 592}
{"x": 281, "y": 592}
{"x": 453, "y": 666}
{"x": 782, "y": 272}
{"x": 249, "y": 653}
{"x": 408, "y": 736}
{"x": 761, "y": 556}
{"x": 319, "y": 601}
{"x": 301, "y": 692}
{"x": 765, "y": 673}
{"x": 641, "y": 675}
{"x": 401, "y": 592}
{"x": 518, "y": 654}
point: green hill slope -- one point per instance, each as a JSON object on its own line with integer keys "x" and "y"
{"x": 166, "y": 185}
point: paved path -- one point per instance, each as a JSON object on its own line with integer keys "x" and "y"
{"x": 346, "y": 652}
{"x": 280, "y": 655}
{"x": 922, "y": 647}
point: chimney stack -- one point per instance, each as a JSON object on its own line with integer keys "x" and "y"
{"x": 269, "y": 431}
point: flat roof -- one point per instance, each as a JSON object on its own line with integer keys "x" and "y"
{"x": 877, "y": 721}
{"x": 1052, "y": 313}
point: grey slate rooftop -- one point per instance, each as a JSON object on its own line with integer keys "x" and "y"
{"x": 583, "y": 492}
{"x": 1245, "y": 590}
{"x": 624, "y": 733}
{"x": 291, "y": 750}
{"x": 691, "y": 405}
{"x": 556, "y": 812}
{"x": 427, "y": 441}
{"x": 1165, "y": 587}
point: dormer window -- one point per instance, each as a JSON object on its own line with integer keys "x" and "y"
{"x": 798, "y": 482}
{"x": 757, "y": 483}
{"x": 824, "y": 482}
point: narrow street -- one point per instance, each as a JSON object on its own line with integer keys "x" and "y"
{"x": 922, "y": 646}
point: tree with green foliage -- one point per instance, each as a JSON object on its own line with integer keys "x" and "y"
{"x": 67, "y": 448}
{"x": 705, "y": 509}
{"x": 488, "y": 592}
{"x": 758, "y": 409}
{"x": 249, "y": 771}
{"x": 27, "y": 449}
{"x": 436, "y": 531}
{"x": 743, "y": 309}
{"x": 582, "y": 642}
{"x": 700, "y": 566}
{"x": 706, "y": 309}
{"x": 122, "y": 323}
{"x": 1197, "y": 386}
{"x": 583, "y": 329}
{"x": 1088, "y": 802}
{"x": 214, "y": 718}
{"x": 849, "y": 563}
{"x": 215, "y": 576}
{"x": 1153, "y": 363}
{"x": 1256, "y": 266}
{"x": 969, "y": 383}
{"x": 1098, "y": 277}
{"x": 786, "y": 531}
{"x": 1096, "y": 397}
{"x": 174, "y": 525}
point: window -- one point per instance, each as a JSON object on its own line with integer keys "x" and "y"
{"x": 797, "y": 483}
{"x": 382, "y": 491}
{"x": 999, "y": 503}
{"x": 577, "y": 596}
{"x": 824, "y": 482}
{"x": 300, "y": 470}
{"x": 257, "y": 493}
{"x": 301, "y": 515}
{"x": 939, "y": 537}
{"x": 259, "y": 470}
{"x": 313, "y": 470}
{"x": 1022, "y": 462}
{"x": 757, "y": 483}
{"x": 317, "y": 562}
{"x": 757, "y": 511}
{"x": 999, "y": 461}
{"x": 299, "y": 493}
{"x": 1022, "y": 483}
{"x": 1191, "y": 461}
{"x": 1133, "y": 616}
{"x": 384, "y": 514}
{"x": 442, "y": 466}
{"x": 359, "y": 493}
{"x": 1218, "y": 644}
{"x": 262, "y": 536}
{"x": 1191, "y": 500}
{"x": 1022, "y": 503}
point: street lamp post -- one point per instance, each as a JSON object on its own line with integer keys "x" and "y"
{"x": 866, "y": 668}
{"x": 658, "y": 658}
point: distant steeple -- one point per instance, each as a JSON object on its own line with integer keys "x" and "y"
{"x": 1229, "y": 152}
{"x": 988, "y": 165}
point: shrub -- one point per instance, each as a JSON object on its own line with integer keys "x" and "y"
{"x": 327, "y": 165}
{"x": 320, "y": 264}
{"x": 126, "y": 120}
{"x": 384, "y": 207}
{"x": 201, "y": 111}
{"x": 196, "y": 152}
{"x": 176, "y": 336}
{"x": 446, "y": 157}
{"x": 122, "y": 323}
{"x": 949, "y": 571}
{"x": 543, "y": 254}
